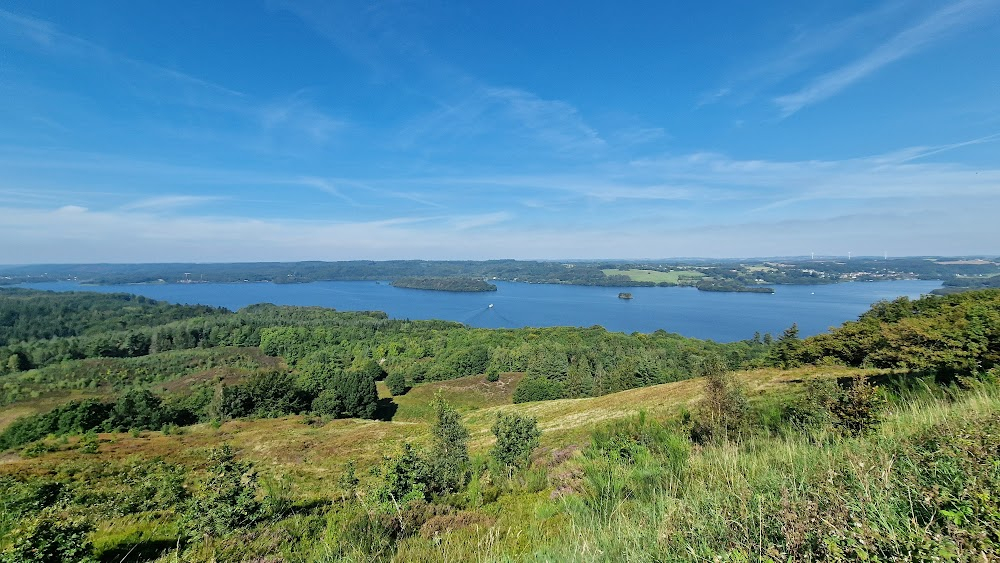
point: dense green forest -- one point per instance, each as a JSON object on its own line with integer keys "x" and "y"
{"x": 333, "y": 358}
{"x": 31, "y": 315}
{"x": 735, "y": 273}
{"x": 155, "y": 432}
{"x": 445, "y": 284}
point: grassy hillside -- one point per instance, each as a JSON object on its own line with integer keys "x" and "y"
{"x": 786, "y": 463}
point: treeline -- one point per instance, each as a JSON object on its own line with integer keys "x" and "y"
{"x": 565, "y": 362}
{"x": 33, "y": 315}
{"x": 748, "y": 272}
{"x": 445, "y": 284}
{"x": 135, "y": 410}
{"x": 948, "y": 336}
{"x": 730, "y": 286}
{"x": 265, "y": 393}
{"x": 301, "y": 272}
{"x": 960, "y": 284}
{"x": 221, "y": 328}
{"x": 105, "y": 375}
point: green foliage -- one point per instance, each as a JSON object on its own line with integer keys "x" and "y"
{"x": 537, "y": 389}
{"x": 27, "y": 315}
{"x": 722, "y": 411}
{"x": 358, "y": 394}
{"x": 448, "y": 456}
{"x": 516, "y": 437}
{"x": 89, "y": 443}
{"x": 947, "y": 336}
{"x": 348, "y": 480}
{"x": 138, "y": 409}
{"x": 227, "y": 501}
{"x": 813, "y": 410}
{"x": 264, "y": 395}
{"x": 400, "y": 479}
{"x": 493, "y": 377}
{"x": 396, "y": 382}
{"x": 788, "y": 350}
{"x": 859, "y": 409}
{"x": 50, "y": 538}
{"x": 70, "y": 418}
{"x": 328, "y": 403}
{"x": 444, "y": 284}
{"x": 17, "y": 362}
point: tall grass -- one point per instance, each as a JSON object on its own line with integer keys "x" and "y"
{"x": 796, "y": 497}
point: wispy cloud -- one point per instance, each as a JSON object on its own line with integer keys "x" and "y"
{"x": 283, "y": 118}
{"x": 499, "y": 114}
{"x": 169, "y": 203}
{"x": 934, "y": 27}
{"x": 802, "y": 51}
{"x": 298, "y": 113}
{"x": 44, "y": 35}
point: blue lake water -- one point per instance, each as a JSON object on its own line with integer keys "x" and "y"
{"x": 718, "y": 316}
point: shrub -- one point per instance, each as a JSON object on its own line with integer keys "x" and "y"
{"x": 396, "y": 382}
{"x": 493, "y": 377}
{"x": 859, "y": 409}
{"x": 357, "y": 390}
{"x": 228, "y": 499}
{"x": 723, "y": 409}
{"x": 51, "y": 539}
{"x": 537, "y": 389}
{"x": 449, "y": 453}
{"x": 328, "y": 402}
{"x": 517, "y": 436}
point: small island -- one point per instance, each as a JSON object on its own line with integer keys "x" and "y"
{"x": 624, "y": 295}
{"x": 444, "y": 284}
{"x": 731, "y": 286}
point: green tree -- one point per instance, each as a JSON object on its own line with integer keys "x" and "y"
{"x": 227, "y": 501}
{"x": 328, "y": 402}
{"x": 357, "y": 391}
{"x": 449, "y": 452}
{"x": 723, "y": 409}
{"x": 537, "y": 389}
{"x": 787, "y": 351}
{"x": 517, "y": 436}
{"x": 17, "y": 362}
{"x": 396, "y": 382}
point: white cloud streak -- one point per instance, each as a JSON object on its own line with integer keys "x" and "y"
{"x": 935, "y": 27}
{"x": 169, "y": 203}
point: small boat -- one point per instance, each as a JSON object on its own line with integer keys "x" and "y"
{"x": 624, "y": 295}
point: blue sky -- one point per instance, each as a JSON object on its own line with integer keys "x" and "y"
{"x": 327, "y": 130}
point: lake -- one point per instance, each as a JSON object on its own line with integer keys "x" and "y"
{"x": 723, "y": 317}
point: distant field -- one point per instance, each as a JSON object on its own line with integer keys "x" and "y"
{"x": 655, "y": 276}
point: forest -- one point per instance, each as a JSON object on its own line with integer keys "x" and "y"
{"x": 445, "y": 284}
{"x": 728, "y": 275}
{"x": 140, "y": 430}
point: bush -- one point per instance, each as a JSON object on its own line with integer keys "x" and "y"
{"x": 537, "y": 389}
{"x": 357, "y": 390}
{"x": 227, "y": 501}
{"x": 328, "y": 402}
{"x": 396, "y": 382}
{"x": 855, "y": 410}
{"x": 723, "y": 409}
{"x": 517, "y": 436}
{"x": 449, "y": 453}
{"x": 50, "y": 539}
{"x": 859, "y": 409}
{"x": 493, "y": 377}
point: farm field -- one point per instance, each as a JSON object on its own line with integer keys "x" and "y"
{"x": 655, "y": 276}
